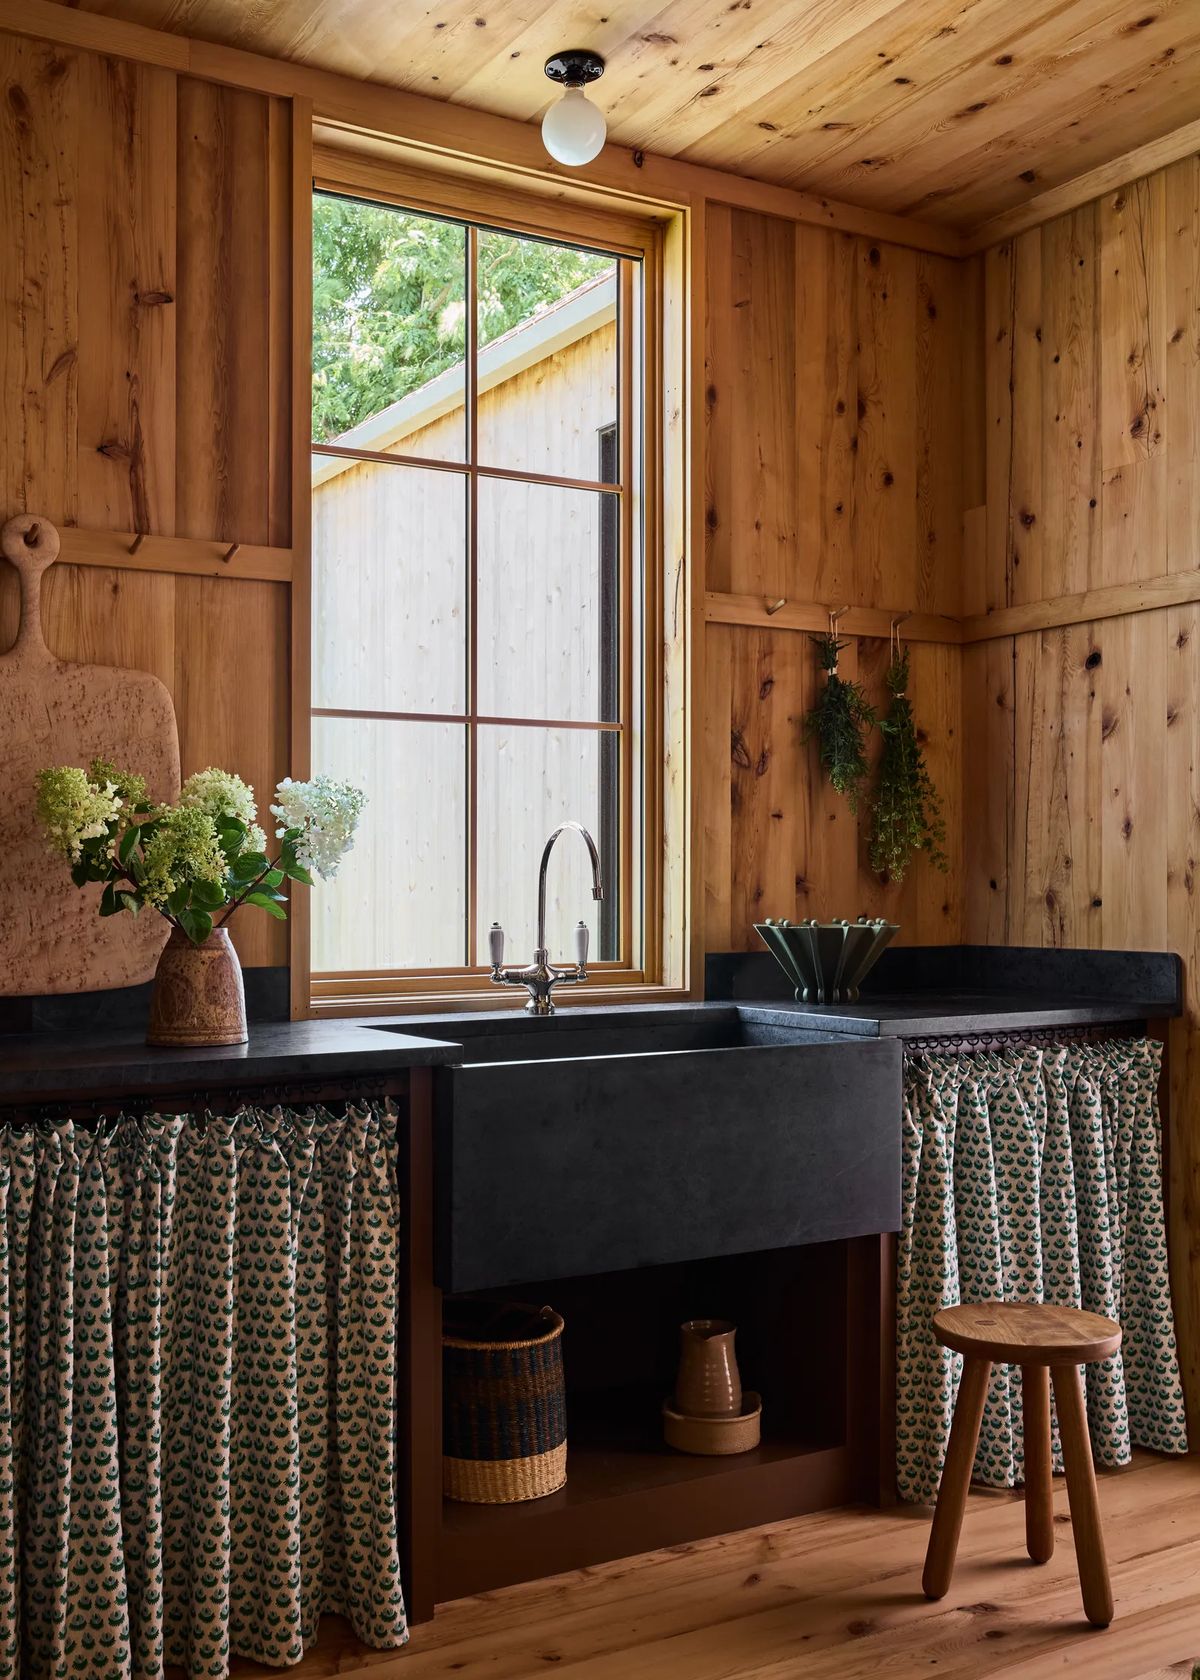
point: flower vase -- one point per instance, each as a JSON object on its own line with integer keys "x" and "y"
{"x": 198, "y": 996}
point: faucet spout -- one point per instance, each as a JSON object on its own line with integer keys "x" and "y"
{"x": 597, "y": 878}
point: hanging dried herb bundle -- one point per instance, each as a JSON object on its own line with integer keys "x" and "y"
{"x": 906, "y": 812}
{"x": 840, "y": 721}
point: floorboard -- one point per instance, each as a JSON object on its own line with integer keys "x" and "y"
{"x": 835, "y": 1596}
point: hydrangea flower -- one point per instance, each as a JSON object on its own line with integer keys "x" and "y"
{"x": 183, "y": 849}
{"x": 327, "y": 811}
{"x": 73, "y": 809}
{"x": 219, "y": 793}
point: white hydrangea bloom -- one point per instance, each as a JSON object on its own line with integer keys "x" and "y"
{"x": 328, "y": 812}
{"x": 219, "y": 793}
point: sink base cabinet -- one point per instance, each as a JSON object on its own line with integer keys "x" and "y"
{"x": 808, "y": 1341}
{"x": 814, "y": 1337}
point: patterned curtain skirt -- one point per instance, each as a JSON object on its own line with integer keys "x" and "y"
{"x": 1034, "y": 1174}
{"x": 197, "y": 1383}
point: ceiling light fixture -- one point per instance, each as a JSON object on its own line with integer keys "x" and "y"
{"x": 573, "y": 130}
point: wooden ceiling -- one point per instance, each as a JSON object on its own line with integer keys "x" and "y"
{"x": 951, "y": 110}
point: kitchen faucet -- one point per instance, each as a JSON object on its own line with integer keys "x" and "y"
{"x": 541, "y": 976}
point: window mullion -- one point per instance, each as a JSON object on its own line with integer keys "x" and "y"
{"x": 471, "y": 396}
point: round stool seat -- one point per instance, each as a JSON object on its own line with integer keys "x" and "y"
{"x": 1026, "y": 1333}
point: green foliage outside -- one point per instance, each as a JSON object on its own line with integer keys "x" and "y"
{"x": 389, "y": 301}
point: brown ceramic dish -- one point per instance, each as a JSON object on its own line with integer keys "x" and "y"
{"x": 713, "y": 1436}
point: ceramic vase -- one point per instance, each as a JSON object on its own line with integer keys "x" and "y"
{"x": 708, "y": 1383}
{"x": 198, "y": 996}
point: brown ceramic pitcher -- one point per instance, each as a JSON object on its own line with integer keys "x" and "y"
{"x": 708, "y": 1383}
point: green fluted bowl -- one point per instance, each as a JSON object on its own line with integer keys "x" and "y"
{"x": 827, "y": 962}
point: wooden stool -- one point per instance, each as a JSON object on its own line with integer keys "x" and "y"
{"x": 1042, "y": 1340}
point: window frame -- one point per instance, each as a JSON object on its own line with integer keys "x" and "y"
{"x": 643, "y": 637}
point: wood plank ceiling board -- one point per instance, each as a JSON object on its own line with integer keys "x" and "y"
{"x": 954, "y": 110}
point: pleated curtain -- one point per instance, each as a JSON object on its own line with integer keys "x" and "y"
{"x": 197, "y": 1387}
{"x": 1034, "y": 1174}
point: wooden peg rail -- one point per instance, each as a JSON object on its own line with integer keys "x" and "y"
{"x": 754, "y": 610}
{"x": 190, "y": 556}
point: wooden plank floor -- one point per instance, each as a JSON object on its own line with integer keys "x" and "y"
{"x": 835, "y": 1596}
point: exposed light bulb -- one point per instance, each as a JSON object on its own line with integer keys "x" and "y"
{"x": 573, "y": 130}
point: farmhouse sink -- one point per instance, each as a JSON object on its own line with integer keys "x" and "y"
{"x": 615, "y": 1139}
{"x": 640, "y": 1030}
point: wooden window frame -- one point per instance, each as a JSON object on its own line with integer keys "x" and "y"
{"x": 650, "y": 949}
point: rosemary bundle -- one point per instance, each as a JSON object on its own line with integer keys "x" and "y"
{"x": 840, "y": 721}
{"x": 906, "y": 811}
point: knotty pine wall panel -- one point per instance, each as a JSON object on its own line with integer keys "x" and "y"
{"x": 833, "y": 474}
{"x": 1082, "y": 752}
{"x": 145, "y": 379}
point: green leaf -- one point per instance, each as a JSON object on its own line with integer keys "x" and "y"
{"x": 128, "y": 841}
{"x": 299, "y": 873}
{"x": 248, "y": 866}
{"x": 267, "y": 902}
{"x": 178, "y": 901}
{"x": 130, "y": 902}
{"x": 273, "y": 878}
{"x": 108, "y": 901}
{"x": 197, "y": 924}
{"x": 208, "y": 895}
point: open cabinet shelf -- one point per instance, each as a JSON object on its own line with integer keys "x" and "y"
{"x": 627, "y": 1491}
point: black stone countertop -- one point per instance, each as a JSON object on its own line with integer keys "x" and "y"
{"x": 928, "y": 1015}
{"x": 45, "y": 1065}
{"x": 952, "y": 991}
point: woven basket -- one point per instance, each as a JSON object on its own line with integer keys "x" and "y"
{"x": 504, "y": 1424}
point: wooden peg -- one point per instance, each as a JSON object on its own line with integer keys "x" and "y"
{"x": 774, "y": 606}
{"x": 230, "y": 552}
{"x": 137, "y": 542}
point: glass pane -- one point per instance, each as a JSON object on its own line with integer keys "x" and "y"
{"x": 549, "y": 614}
{"x": 389, "y": 329}
{"x": 547, "y": 355}
{"x": 389, "y": 587}
{"x": 530, "y": 780}
{"x": 399, "y": 900}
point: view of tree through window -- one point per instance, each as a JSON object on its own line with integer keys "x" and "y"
{"x": 473, "y": 573}
{"x": 389, "y": 303}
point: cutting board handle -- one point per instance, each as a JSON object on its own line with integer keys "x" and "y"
{"x": 31, "y": 543}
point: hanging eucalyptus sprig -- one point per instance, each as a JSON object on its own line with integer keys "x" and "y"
{"x": 839, "y": 721}
{"x": 906, "y": 814}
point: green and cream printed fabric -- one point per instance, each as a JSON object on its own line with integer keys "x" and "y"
{"x": 197, "y": 1383}
{"x": 1034, "y": 1174}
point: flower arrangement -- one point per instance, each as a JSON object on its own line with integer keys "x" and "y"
{"x": 199, "y": 860}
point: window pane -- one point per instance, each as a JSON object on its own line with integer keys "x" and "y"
{"x": 547, "y": 355}
{"x": 530, "y": 780}
{"x": 549, "y": 614}
{"x": 389, "y": 329}
{"x": 389, "y": 587}
{"x": 399, "y": 900}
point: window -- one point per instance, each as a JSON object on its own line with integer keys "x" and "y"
{"x": 479, "y": 600}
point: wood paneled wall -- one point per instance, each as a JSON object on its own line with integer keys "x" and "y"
{"x": 833, "y": 475}
{"x": 1082, "y": 786}
{"x": 145, "y": 354}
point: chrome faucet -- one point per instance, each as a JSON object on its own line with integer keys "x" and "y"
{"x": 540, "y": 978}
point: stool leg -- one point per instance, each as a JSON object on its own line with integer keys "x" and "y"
{"x": 1039, "y": 1510}
{"x": 956, "y": 1478}
{"x": 1081, "y": 1492}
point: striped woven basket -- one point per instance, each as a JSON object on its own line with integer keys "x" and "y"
{"x": 504, "y": 1424}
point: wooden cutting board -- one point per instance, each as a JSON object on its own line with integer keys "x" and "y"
{"x": 52, "y": 712}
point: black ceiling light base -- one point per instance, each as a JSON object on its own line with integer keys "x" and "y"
{"x": 575, "y": 67}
